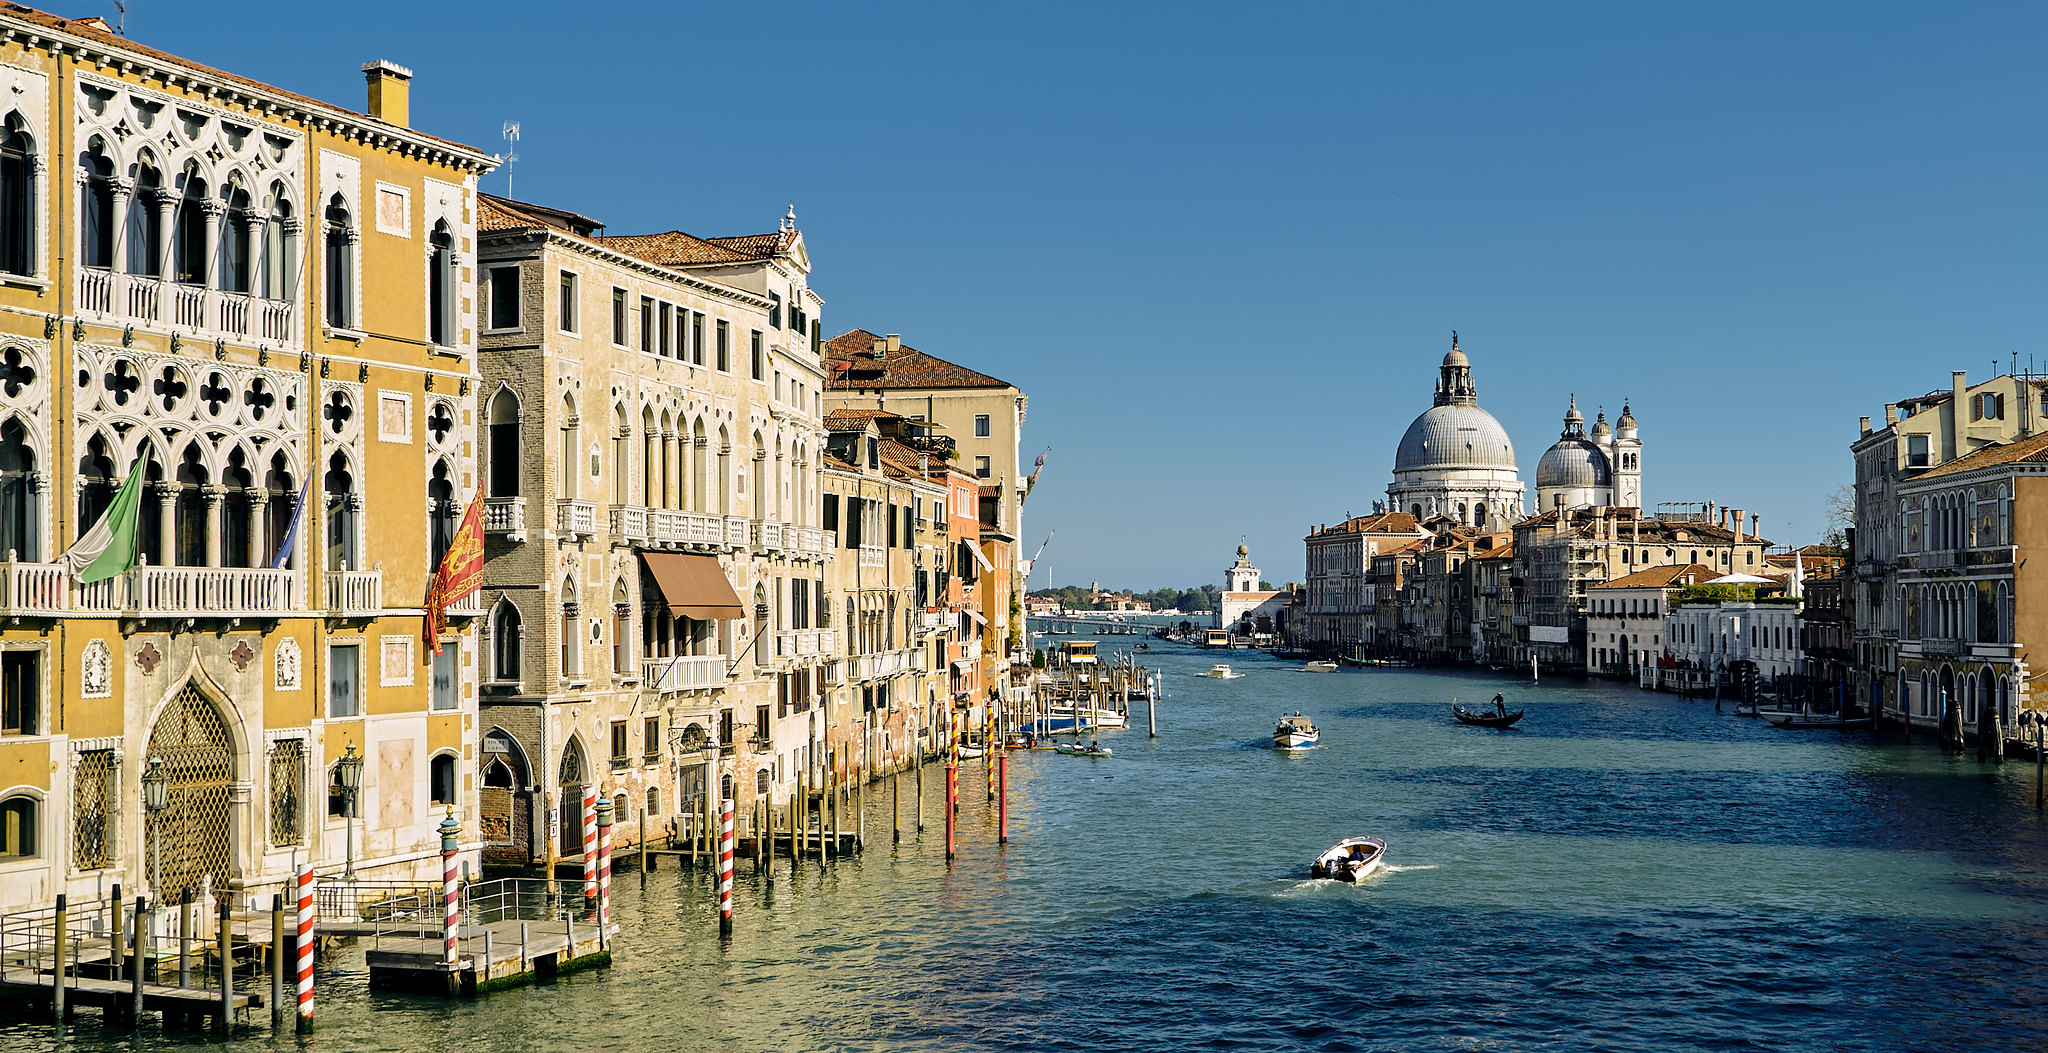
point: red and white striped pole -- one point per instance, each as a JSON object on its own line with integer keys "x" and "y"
{"x": 1003, "y": 798}
{"x": 604, "y": 871}
{"x": 725, "y": 847}
{"x": 305, "y": 946}
{"x": 451, "y": 924}
{"x": 589, "y": 847}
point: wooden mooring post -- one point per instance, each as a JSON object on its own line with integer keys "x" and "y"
{"x": 59, "y": 946}
{"x": 135, "y": 974}
{"x": 277, "y": 962}
{"x": 227, "y": 966}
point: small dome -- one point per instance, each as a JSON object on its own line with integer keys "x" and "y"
{"x": 1456, "y": 358}
{"x": 1455, "y": 436}
{"x": 1573, "y": 463}
{"x": 1600, "y": 429}
{"x": 1243, "y": 551}
{"x": 1625, "y": 425}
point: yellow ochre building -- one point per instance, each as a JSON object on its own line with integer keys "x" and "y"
{"x": 270, "y": 301}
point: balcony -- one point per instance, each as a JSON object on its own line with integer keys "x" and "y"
{"x": 801, "y": 643}
{"x": 507, "y": 516}
{"x": 936, "y": 445}
{"x": 576, "y": 519}
{"x": 115, "y": 298}
{"x": 470, "y": 606}
{"x": 737, "y": 531}
{"x": 767, "y": 535}
{"x": 871, "y": 555}
{"x": 694, "y": 672}
{"x": 880, "y": 664}
{"x": 33, "y": 589}
{"x": 355, "y": 593}
{"x": 194, "y": 592}
{"x": 933, "y": 621}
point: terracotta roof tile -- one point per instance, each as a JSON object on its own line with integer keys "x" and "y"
{"x": 1662, "y": 577}
{"x": 850, "y": 363}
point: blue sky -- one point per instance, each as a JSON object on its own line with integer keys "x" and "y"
{"x": 1223, "y": 250}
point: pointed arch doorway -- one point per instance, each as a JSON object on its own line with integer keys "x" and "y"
{"x": 192, "y": 838}
{"x": 572, "y": 777}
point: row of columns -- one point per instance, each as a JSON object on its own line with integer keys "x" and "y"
{"x": 166, "y": 201}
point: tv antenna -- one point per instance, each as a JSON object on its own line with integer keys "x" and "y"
{"x": 511, "y": 152}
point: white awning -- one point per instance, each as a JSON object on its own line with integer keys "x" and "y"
{"x": 963, "y": 665}
{"x": 986, "y": 566}
{"x": 976, "y": 615}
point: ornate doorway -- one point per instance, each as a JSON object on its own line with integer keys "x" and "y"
{"x": 570, "y": 778}
{"x": 193, "y": 831}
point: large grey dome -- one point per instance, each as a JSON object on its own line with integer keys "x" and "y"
{"x": 1573, "y": 463}
{"x": 1455, "y": 436}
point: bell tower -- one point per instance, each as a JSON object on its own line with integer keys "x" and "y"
{"x": 1242, "y": 576}
{"x": 1626, "y": 454}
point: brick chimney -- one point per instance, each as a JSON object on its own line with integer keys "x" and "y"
{"x": 1864, "y": 424}
{"x": 893, "y": 343}
{"x": 390, "y": 91}
{"x": 1891, "y": 414}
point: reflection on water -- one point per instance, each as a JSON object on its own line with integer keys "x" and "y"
{"x": 1622, "y": 871}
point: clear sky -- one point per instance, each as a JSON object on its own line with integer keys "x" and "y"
{"x": 1223, "y": 247}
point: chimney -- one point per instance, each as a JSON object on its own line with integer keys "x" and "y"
{"x": 879, "y": 348}
{"x": 1756, "y": 525}
{"x": 1864, "y": 423}
{"x": 1955, "y": 415}
{"x": 893, "y": 343}
{"x": 390, "y": 87}
{"x": 1737, "y": 513}
{"x": 1891, "y": 414}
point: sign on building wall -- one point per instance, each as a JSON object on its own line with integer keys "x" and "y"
{"x": 1549, "y": 634}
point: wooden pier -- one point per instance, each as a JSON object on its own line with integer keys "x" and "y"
{"x": 489, "y": 957}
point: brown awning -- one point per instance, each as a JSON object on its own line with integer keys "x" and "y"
{"x": 694, "y": 586}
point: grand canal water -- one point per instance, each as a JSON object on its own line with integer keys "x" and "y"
{"x": 1624, "y": 872}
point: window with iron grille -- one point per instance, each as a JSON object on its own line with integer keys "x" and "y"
{"x": 92, "y": 806}
{"x": 287, "y": 792}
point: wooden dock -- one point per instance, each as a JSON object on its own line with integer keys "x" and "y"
{"x": 489, "y": 957}
{"x": 116, "y": 997}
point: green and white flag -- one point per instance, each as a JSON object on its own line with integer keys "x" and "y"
{"x": 108, "y": 549}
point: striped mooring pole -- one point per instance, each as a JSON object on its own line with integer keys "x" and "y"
{"x": 952, "y": 805}
{"x": 725, "y": 847}
{"x": 604, "y": 871}
{"x": 451, "y": 925}
{"x": 305, "y": 946}
{"x": 590, "y": 847}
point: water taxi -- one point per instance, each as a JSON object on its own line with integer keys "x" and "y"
{"x": 1296, "y": 733}
{"x": 1322, "y": 666}
{"x": 1222, "y": 672}
{"x": 1217, "y": 640}
{"x": 1351, "y": 859}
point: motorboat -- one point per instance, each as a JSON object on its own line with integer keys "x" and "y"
{"x": 1296, "y": 733}
{"x": 1483, "y": 719}
{"x": 1075, "y": 749}
{"x": 1800, "y": 721}
{"x": 1352, "y": 859}
{"x": 1217, "y": 639}
{"x": 1222, "y": 672}
{"x": 1321, "y": 666}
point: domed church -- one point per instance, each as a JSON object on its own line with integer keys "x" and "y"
{"x": 1456, "y": 460}
{"x": 1584, "y": 469}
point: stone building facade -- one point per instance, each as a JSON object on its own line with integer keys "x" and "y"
{"x": 264, "y": 301}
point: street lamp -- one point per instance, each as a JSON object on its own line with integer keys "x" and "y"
{"x": 156, "y": 796}
{"x": 349, "y": 772}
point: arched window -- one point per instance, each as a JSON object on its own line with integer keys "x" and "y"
{"x": 18, "y": 197}
{"x": 343, "y": 506}
{"x": 622, "y": 630}
{"x": 188, "y": 240}
{"x": 723, "y": 481}
{"x": 570, "y": 466}
{"x": 621, "y": 455}
{"x": 505, "y": 641}
{"x": 238, "y": 242}
{"x": 190, "y": 511}
{"x": 505, "y": 444}
{"x": 18, "y": 519}
{"x": 441, "y": 780}
{"x": 700, "y": 449}
{"x": 441, "y": 286}
{"x": 97, "y": 229}
{"x": 238, "y": 512}
{"x": 281, "y": 492}
{"x": 440, "y": 514}
{"x": 572, "y": 648}
{"x": 18, "y": 819}
{"x": 146, "y": 222}
{"x": 280, "y": 248}
{"x": 650, "y": 459}
{"x": 339, "y": 257}
{"x": 654, "y": 800}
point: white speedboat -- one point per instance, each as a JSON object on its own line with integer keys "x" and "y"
{"x": 1786, "y": 718}
{"x": 1296, "y": 733}
{"x": 1323, "y": 666}
{"x": 1075, "y": 749}
{"x": 1351, "y": 859}
{"x": 1222, "y": 672}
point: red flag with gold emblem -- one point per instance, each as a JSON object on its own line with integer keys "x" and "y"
{"x": 461, "y": 571}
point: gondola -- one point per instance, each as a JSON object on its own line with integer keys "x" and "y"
{"x": 1482, "y": 719}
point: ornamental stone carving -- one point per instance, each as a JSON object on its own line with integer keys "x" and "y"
{"x": 287, "y": 665}
{"x": 96, "y": 679}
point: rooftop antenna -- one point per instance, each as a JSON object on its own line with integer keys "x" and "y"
{"x": 121, "y": 19}
{"x": 511, "y": 152}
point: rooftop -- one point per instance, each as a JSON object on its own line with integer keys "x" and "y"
{"x": 851, "y": 361}
{"x": 1663, "y": 577}
{"x": 2031, "y": 450}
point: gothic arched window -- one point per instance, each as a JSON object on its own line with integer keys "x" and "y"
{"x": 505, "y": 444}
{"x": 339, "y": 487}
{"x": 339, "y": 260}
{"x": 97, "y": 230}
{"x": 18, "y": 197}
{"x": 441, "y": 286}
{"x": 188, "y": 238}
{"x": 18, "y": 519}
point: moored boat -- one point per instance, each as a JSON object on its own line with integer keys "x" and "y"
{"x": 1351, "y": 859}
{"x": 1483, "y": 719}
{"x": 1075, "y": 749}
{"x": 1296, "y": 733}
{"x": 1801, "y": 721}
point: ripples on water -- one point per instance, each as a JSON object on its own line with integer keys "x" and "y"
{"x": 1622, "y": 872}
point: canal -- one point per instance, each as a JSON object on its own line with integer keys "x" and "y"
{"x": 1624, "y": 871}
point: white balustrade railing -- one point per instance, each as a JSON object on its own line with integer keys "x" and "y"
{"x": 95, "y": 290}
{"x": 469, "y": 606}
{"x": 505, "y": 515}
{"x": 695, "y": 672}
{"x": 768, "y": 535}
{"x": 871, "y": 555}
{"x": 188, "y": 306}
{"x": 736, "y": 531}
{"x": 629, "y": 523}
{"x": 576, "y": 517}
{"x": 667, "y": 526}
{"x": 355, "y": 592}
{"x": 280, "y": 320}
{"x": 234, "y": 312}
{"x": 213, "y": 592}
{"x": 115, "y": 297}
{"x": 33, "y": 588}
{"x": 801, "y": 643}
